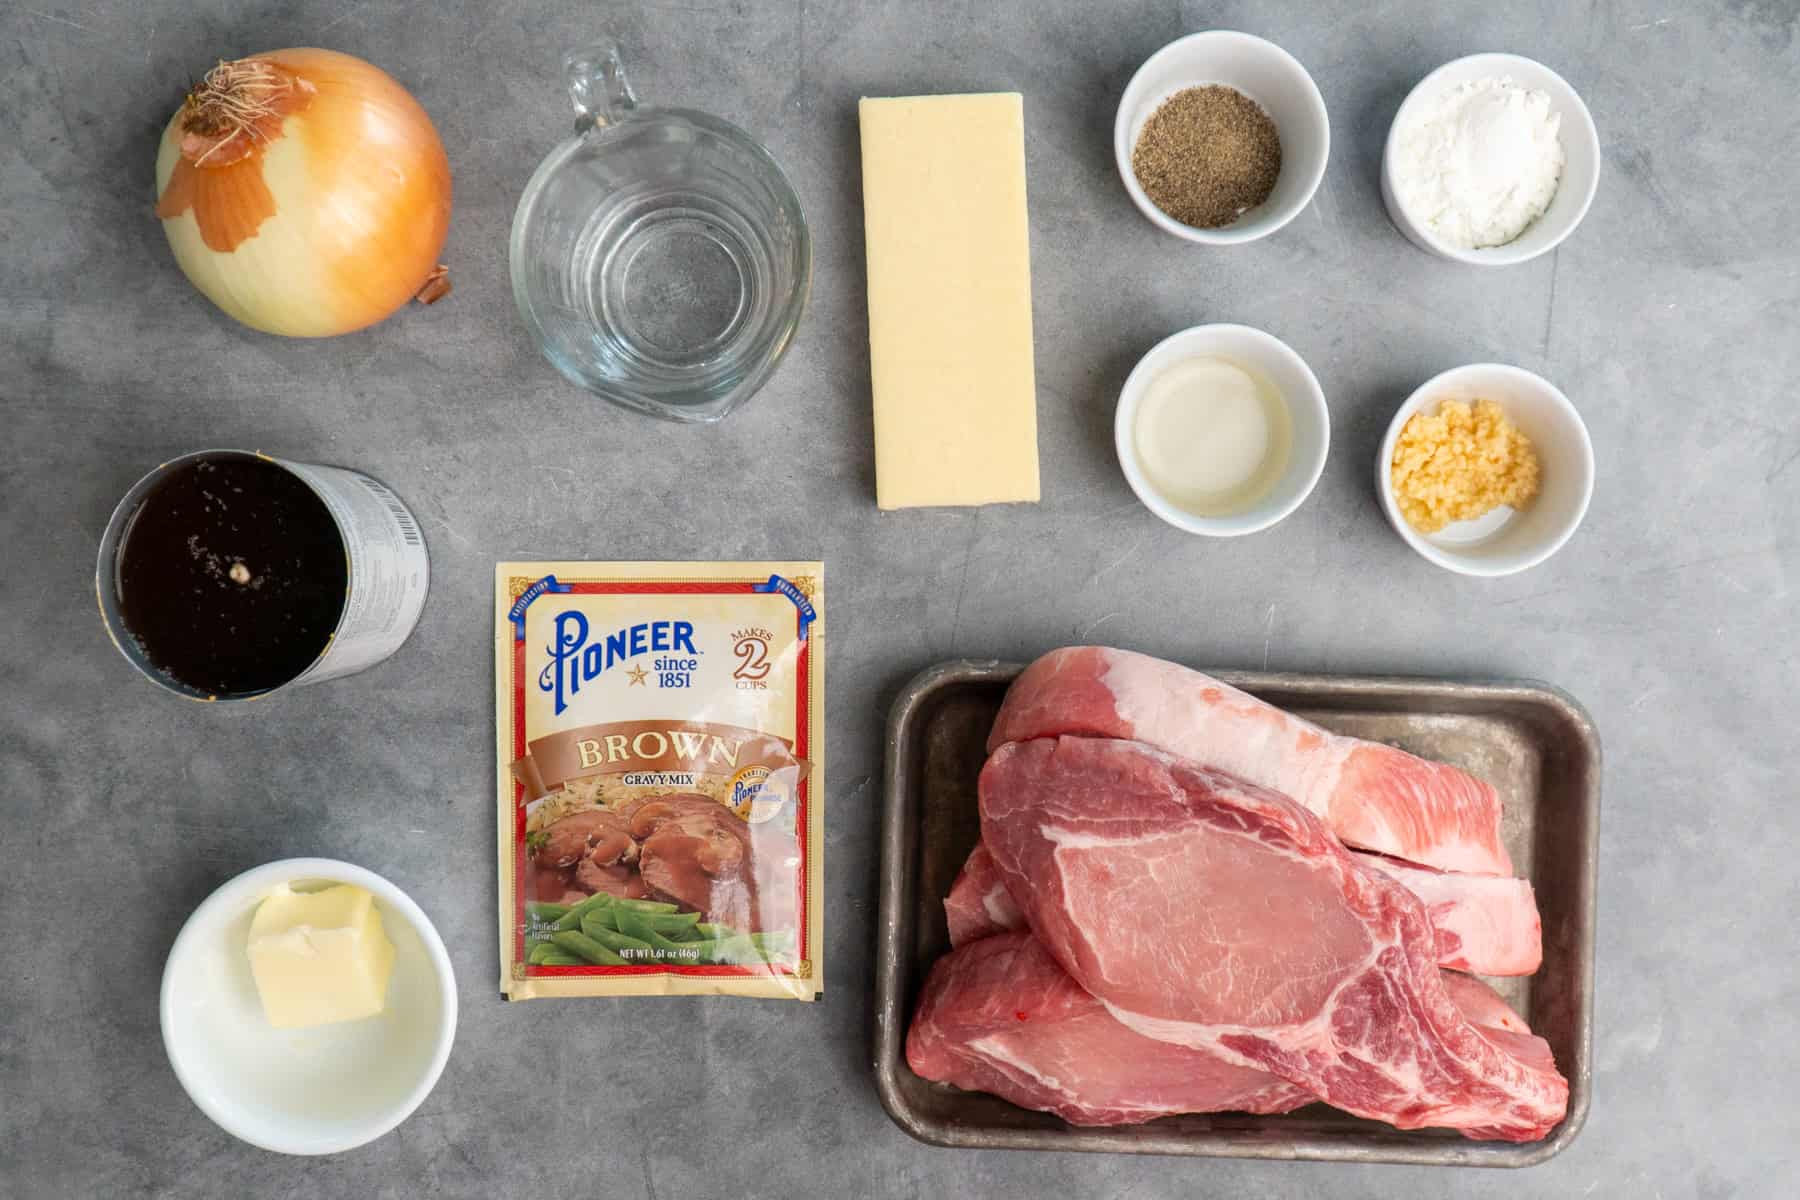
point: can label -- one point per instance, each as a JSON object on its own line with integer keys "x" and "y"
{"x": 388, "y": 567}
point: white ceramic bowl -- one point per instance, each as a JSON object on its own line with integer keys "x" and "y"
{"x": 1306, "y": 410}
{"x": 1503, "y": 541}
{"x": 1581, "y": 159}
{"x": 304, "y": 1091}
{"x": 1268, "y": 75}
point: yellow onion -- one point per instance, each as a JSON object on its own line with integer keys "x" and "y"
{"x": 305, "y": 192}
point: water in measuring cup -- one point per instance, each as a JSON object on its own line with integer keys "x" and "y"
{"x": 675, "y": 291}
{"x": 662, "y": 261}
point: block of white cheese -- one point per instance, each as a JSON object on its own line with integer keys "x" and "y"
{"x": 949, "y": 300}
{"x": 319, "y": 957}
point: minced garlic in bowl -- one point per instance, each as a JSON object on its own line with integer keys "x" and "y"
{"x": 1460, "y": 462}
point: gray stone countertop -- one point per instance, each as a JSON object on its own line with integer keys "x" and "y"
{"x": 1669, "y": 318}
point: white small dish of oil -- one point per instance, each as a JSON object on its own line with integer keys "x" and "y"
{"x": 1222, "y": 430}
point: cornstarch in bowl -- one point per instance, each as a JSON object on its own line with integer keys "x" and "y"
{"x": 1480, "y": 163}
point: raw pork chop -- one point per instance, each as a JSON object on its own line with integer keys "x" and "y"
{"x": 1481, "y": 1003}
{"x": 1484, "y": 923}
{"x": 1220, "y": 916}
{"x": 1370, "y": 795}
{"x": 978, "y": 904}
{"x": 998, "y": 1015}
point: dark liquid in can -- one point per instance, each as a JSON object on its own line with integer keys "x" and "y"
{"x": 231, "y": 575}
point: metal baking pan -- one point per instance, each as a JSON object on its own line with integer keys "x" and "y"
{"x": 1532, "y": 742}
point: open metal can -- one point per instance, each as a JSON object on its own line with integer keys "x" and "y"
{"x": 230, "y": 574}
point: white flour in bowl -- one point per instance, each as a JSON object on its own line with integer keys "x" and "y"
{"x": 1480, "y": 162}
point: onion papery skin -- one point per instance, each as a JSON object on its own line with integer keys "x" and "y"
{"x": 329, "y": 225}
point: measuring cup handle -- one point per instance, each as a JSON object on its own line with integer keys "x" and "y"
{"x": 597, "y": 86}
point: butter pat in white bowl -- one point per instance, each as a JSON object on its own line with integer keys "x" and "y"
{"x": 352, "y": 1026}
{"x": 319, "y": 957}
{"x": 1222, "y": 430}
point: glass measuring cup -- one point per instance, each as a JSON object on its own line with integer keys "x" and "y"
{"x": 659, "y": 256}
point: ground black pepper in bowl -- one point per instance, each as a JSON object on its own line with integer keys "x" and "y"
{"x": 1207, "y": 155}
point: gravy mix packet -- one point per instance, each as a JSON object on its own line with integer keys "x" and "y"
{"x": 661, "y": 778}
